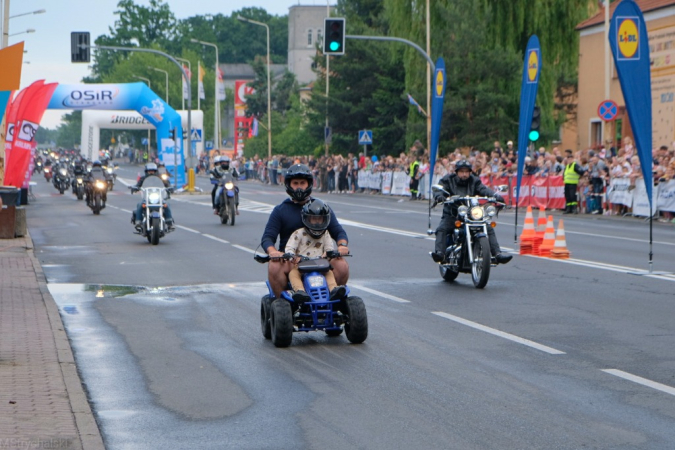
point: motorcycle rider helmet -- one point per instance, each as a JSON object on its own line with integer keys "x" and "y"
{"x": 299, "y": 171}
{"x": 463, "y": 164}
{"x": 225, "y": 162}
{"x": 96, "y": 163}
{"x": 216, "y": 160}
{"x": 150, "y": 169}
{"x": 316, "y": 217}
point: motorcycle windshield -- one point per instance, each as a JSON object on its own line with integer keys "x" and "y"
{"x": 153, "y": 181}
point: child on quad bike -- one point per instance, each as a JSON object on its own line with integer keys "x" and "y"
{"x": 312, "y": 241}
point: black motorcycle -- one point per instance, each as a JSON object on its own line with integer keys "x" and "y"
{"x": 468, "y": 248}
{"x": 97, "y": 195}
{"x": 227, "y": 199}
{"x": 61, "y": 179}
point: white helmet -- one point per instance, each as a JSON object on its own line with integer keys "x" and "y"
{"x": 217, "y": 159}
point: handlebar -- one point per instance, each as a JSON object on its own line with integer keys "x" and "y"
{"x": 289, "y": 256}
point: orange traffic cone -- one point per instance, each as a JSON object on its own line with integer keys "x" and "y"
{"x": 549, "y": 239}
{"x": 539, "y": 232}
{"x": 528, "y": 234}
{"x": 559, "y": 250}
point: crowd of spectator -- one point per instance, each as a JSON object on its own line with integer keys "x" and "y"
{"x": 339, "y": 174}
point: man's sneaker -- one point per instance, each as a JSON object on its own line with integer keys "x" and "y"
{"x": 301, "y": 297}
{"x": 338, "y": 293}
{"x": 503, "y": 258}
{"x": 437, "y": 257}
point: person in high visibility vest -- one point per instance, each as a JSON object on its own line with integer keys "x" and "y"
{"x": 573, "y": 171}
{"x": 413, "y": 172}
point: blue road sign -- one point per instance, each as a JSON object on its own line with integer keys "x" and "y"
{"x": 365, "y": 137}
{"x": 196, "y": 135}
{"x": 144, "y": 141}
{"x": 608, "y": 110}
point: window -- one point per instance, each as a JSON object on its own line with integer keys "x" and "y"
{"x": 595, "y": 137}
{"x": 319, "y": 37}
{"x": 310, "y": 35}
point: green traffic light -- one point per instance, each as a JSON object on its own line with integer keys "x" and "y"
{"x": 534, "y": 135}
{"x": 334, "y": 46}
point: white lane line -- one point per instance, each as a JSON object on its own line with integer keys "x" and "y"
{"x": 383, "y": 229}
{"x": 639, "y": 380}
{"x": 378, "y": 293}
{"x": 188, "y": 229}
{"x": 501, "y": 334}
{"x": 215, "y": 238}
{"x": 244, "y": 248}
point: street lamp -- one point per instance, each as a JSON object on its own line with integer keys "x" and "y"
{"x": 269, "y": 94}
{"x": 189, "y": 83}
{"x": 30, "y": 30}
{"x": 150, "y": 86}
{"x": 39, "y": 11}
{"x": 167, "y": 81}
{"x": 216, "y": 128}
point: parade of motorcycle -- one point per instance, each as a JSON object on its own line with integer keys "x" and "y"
{"x": 326, "y": 234}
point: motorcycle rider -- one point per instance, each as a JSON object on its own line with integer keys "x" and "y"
{"x": 463, "y": 183}
{"x": 137, "y": 217}
{"x": 162, "y": 171}
{"x": 286, "y": 218}
{"x": 96, "y": 173}
{"x": 222, "y": 166}
{"x": 78, "y": 172}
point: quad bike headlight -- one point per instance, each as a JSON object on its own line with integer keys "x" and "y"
{"x": 490, "y": 211}
{"x": 154, "y": 198}
{"x": 315, "y": 281}
{"x": 229, "y": 186}
{"x": 462, "y": 210}
{"x": 477, "y": 213}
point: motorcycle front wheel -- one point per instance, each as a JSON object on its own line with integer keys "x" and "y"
{"x": 230, "y": 209}
{"x": 156, "y": 223}
{"x": 97, "y": 204}
{"x": 480, "y": 269}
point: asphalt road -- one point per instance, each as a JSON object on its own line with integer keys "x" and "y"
{"x": 550, "y": 355}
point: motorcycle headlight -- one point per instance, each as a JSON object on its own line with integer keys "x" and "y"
{"x": 477, "y": 213}
{"x": 229, "y": 186}
{"x": 462, "y": 210}
{"x": 63, "y": 172}
{"x": 164, "y": 176}
{"x": 100, "y": 184}
{"x": 315, "y": 281}
{"x": 490, "y": 211}
{"x": 154, "y": 198}
{"x": 79, "y": 180}
{"x": 109, "y": 170}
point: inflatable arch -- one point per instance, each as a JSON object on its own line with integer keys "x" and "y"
{"x": 127, "y": 96}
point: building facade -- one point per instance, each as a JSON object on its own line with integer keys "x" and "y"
{"x": 591, "y": 130}
{"x": 305, "y": 32}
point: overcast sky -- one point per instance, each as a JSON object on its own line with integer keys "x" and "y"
{"x": 48, "y": 48}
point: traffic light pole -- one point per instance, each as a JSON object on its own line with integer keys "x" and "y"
{"x": 395, "y": 39}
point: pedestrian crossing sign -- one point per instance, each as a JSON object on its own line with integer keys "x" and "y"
{"x": 196, "y": 135}
{"x": 365, "y": 137}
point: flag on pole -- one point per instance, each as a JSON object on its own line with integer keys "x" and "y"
{"x": 220, "y": 84}
{"x": 185, "y": 85}
{"x": 200, "y": 77}
{"x": 254, "y": 128}
{"x": 412, "y": 101}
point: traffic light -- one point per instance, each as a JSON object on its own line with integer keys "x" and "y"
{"x": 334, "y": 36}
{"x": 79, "y": 54}
{"x": 536, "y": 122}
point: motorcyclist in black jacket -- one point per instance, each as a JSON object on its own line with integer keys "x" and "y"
{"x": 463, "y": 183}
{"x": 137, "y": 217}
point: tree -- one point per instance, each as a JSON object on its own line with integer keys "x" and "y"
{"x": 70, "y": 132}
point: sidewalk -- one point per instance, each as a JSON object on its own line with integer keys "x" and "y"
{"x": 42, "y": 402}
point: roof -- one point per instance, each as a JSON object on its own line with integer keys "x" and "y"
{"x": 645, "y": 6}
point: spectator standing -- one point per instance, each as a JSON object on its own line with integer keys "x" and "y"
{"x": 573, "y": 172}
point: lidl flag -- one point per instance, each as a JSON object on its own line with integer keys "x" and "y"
{"x": 528, "y": 95}
{"x": 200, "y": 80}
{"x": 630, "y": 47}
{"x": 437, "y": 100}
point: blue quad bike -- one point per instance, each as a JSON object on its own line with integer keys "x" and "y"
{"x": 281, "y": 317}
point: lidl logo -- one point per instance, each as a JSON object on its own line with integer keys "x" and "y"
{"x": 628, "y": 38}
{"x": 533, "y": 66}
{"x": 439, "y": 83}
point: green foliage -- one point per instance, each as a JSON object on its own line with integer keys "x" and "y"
{"x": 70, "y": 132}
{"x": 46, "y": 136}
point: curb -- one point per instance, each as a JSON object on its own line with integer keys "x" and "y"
{"x": 85, "y": 422}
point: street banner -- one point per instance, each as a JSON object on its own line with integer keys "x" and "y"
{"x": 220, "y": 84}
{"x": 556, "y": 192}
{"x": 31, "y": 109}
{"x": 666, "y": 197}
{"x": 640, "y": 200}
{"x": 186, "y": 84}
{"x": 12, "y": 113}
{"x": 539, "y": 192}
{"x": 436, "y": 111}
{"x": 630, "y": 48}
{"x": 200, "y": 81}
{"x": 619, "y": 192}
{"x": 528, "y": 95}
{"x": 12, "y": 62}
